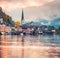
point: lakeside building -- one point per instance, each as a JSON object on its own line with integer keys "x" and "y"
{"x": 3, "y": 27}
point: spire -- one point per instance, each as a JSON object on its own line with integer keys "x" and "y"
{"x": 22, "y": 17}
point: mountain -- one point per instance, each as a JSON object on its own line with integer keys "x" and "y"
{"x": 37, "y": 23}
{"x": 6, "y": 18}
{"x": 56, "y": 22}
{"x": 40, "y": 22}
{"x": 43, "y": 21}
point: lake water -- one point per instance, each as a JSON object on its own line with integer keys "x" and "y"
{"x": 41, "y": 46}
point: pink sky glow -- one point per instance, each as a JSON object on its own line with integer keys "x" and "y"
{"x": 14, "y": 4}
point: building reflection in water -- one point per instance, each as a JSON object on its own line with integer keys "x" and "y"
{"x": 27, "y": 47}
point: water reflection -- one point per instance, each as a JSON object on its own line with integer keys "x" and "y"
{"x": 30, "y": 46}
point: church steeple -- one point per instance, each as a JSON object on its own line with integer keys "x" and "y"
{"x": 22, "y": 17}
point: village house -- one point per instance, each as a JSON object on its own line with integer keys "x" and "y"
{"x": 3, "y": 27}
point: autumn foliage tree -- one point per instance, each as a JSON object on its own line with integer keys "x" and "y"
{"x": 6, "y": 18}
{"x": 17, "y": 24}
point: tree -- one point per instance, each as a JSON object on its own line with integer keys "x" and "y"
{"x": 6, "y": 18}
{"x": 17, "y": 24}
{"x": 9, "y": 20}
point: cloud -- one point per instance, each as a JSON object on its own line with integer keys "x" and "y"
{"x": 14, "y": 4}
{"x": 33, "y": 9}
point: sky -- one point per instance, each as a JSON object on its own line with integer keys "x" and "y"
{"x": 13, "y": 4}
{"x": 33, "y": 9}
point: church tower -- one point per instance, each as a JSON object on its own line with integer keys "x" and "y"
{"x": 22, "y": 17}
